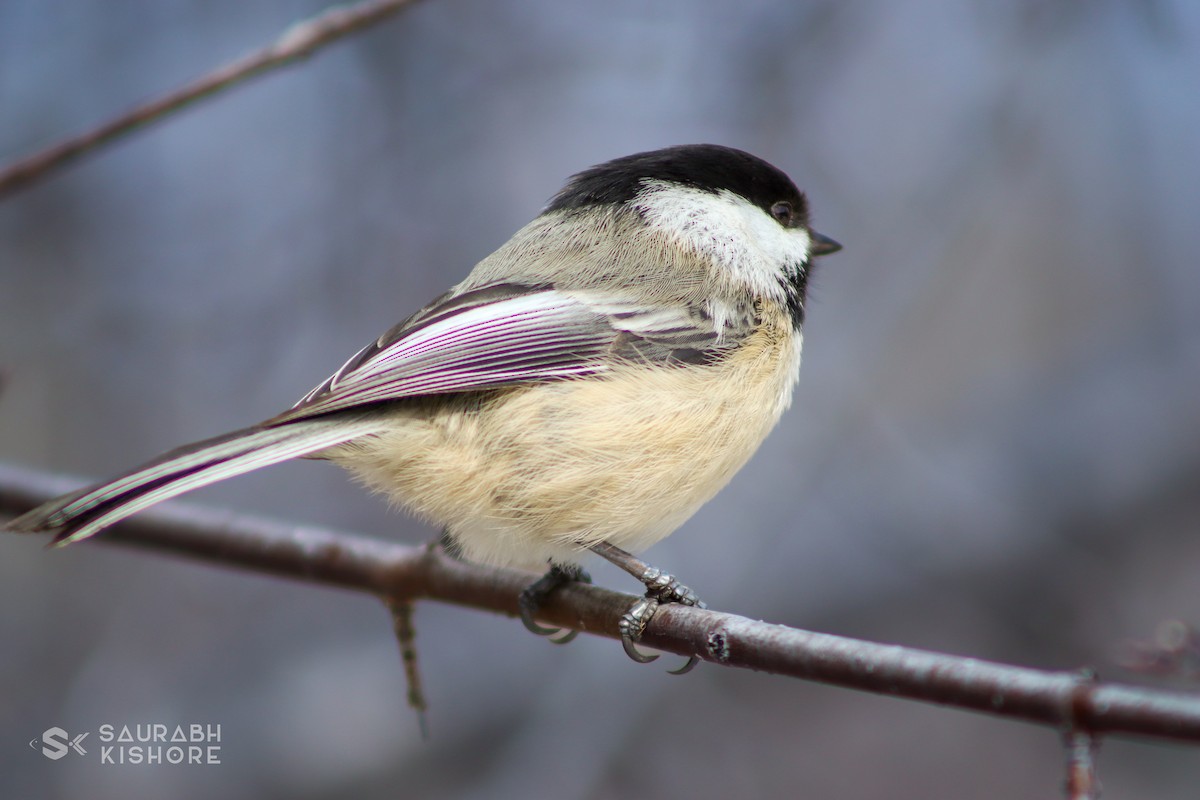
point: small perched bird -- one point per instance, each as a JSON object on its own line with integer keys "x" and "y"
{"x": 588, "y": 386}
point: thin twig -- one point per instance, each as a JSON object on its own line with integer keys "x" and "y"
{"x": 1083, "y": 780}
{"x": 406, "y": 637}
{"x": 1057, "y": 699}
{"x": 1083, "y": 783}
{"x": 298, "y": 41}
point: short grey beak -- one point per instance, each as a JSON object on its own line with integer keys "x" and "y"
{"x": 823, "y": 245}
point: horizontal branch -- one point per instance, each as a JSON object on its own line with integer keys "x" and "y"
{"x": 297, "y": 42}
{"x": 1065, "y": 700}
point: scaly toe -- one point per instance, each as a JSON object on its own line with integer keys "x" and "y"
{"x": 660, "y": 588}
{"x": 632, "y": 624}
{"x": 667, "y": 589}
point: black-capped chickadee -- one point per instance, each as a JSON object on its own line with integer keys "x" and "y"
{"x": 587, "y": 387}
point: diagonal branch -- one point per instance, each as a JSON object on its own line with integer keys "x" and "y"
{"x": 299, "y": 41}
{"x": 1068, "y": 701}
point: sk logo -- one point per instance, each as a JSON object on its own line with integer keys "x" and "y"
{"x": 56, "y": 743}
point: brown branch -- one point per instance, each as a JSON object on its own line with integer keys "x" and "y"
{"x": 1063, "y": 700}
{"x": 299, "y": 41}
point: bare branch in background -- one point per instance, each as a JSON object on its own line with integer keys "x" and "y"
{"x": 1173, "y": 651}
{"x": 400, "y": 574}
{"x": 299, "y": 41}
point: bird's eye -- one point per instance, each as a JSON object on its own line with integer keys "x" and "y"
{"x": 783, "y": 213}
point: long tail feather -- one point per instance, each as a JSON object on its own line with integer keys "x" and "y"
{"x": 80, "y": 514}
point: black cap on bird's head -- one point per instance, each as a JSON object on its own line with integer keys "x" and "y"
{"x": 706, "y": 167}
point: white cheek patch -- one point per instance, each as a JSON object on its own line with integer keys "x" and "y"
{"x": 744, "y": 239}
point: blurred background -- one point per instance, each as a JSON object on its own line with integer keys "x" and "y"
{"x": 994, "y": 449}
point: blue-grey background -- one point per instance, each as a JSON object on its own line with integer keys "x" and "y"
{"x": 994, "y": 449}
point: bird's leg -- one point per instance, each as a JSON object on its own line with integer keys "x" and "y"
{"x": 531, "y": 599}
{"x": 660, "y": 588}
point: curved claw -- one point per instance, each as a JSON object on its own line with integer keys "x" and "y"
{"x": 634, "y": 621}
{"x": 533, "y": 627}
{"x": 637, "y": 655}
{"x": 568, "y": 635}
{"x": 687, "y": 667}
{"x": 536, "y": 592}
{"x": 558, "y": 635}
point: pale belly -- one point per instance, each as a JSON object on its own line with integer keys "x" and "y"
{"x": 538, "y": 474}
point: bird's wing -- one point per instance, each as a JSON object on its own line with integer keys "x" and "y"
{"x": 507, "y": 334}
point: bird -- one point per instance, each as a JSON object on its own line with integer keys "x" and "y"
{"x": 585, "y": 389}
